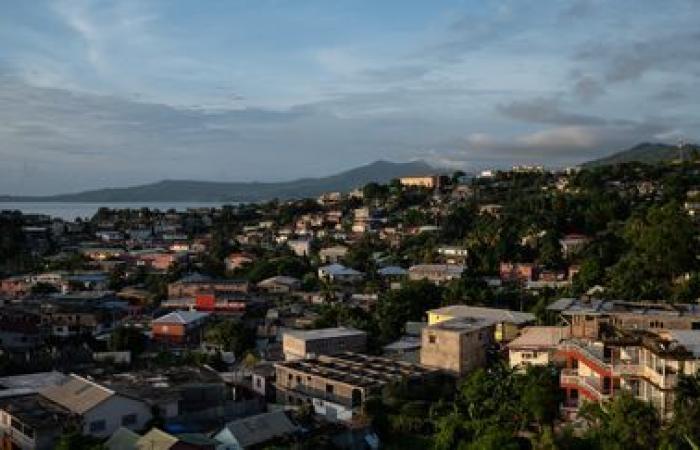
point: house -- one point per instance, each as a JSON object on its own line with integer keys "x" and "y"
{"x": 279, "y": 284}
{"x": 573, "y": 243}
{"x": 179, "y": 327}
{"x": 452, "y": 254}
{"x": 337, "y": 386}
{"x": 517, "y": 272}
{"x": 255, "y": 431}
{"x": 506, "y": 323}
{"x": 300, "y": 247}
{"x": 300, "y": 344}
{"x": 437, "y": 273}
{"x": 535, "y": 346}
{"x": 101, "y": 410}
{"x": 456, "y": 346}
{"x": 237, "y": 260}
{"x": 335, "y": 254}
{"x": 339, "y": 273}
{"x": 15, "y": 287}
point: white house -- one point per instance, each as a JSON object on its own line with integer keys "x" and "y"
{"x": 101, "y": 410}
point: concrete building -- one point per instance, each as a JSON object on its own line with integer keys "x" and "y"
{"x": 301, "y": 344}
{"x": 300, "y": 247}
{"x": 456, "y": 346}
{"x": 507, "y": 324}
{"x": 337, "y": 386}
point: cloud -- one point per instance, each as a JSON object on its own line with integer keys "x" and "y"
{"x": 632, "y": 59}
{"x": 588, "y": 88}
{"x": 546, "y": 111}
{"x": 552, "y": 146}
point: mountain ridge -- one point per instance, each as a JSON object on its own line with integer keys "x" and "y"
{"x": 169, "y": 190}
{"x": 645, "y": 152}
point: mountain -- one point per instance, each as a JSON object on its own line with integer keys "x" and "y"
{"x": 647, "y": 152}
{"x": 207, "y": 191}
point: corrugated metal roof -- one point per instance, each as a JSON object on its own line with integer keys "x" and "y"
{"x": 77, "y": 394}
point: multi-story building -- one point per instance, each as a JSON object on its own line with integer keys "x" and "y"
{"x": 300, "y": 344}
{"x": 644, "y": 363}
{"x": 179, "y": 327}
{"x": 458, "y": 345}
{"x": 337, "y": 386}
{"x": 507, "y": 323}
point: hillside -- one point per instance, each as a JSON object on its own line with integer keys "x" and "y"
{"x": 647, "y": 152}
{"x": 206, "y": 191}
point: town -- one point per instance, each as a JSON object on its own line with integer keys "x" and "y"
{"x": 521, "y": 308}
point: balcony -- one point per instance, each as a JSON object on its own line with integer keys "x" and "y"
{"x": 592, "y": 385}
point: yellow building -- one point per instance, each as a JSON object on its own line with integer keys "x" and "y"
{"x": 507, "y": 323}
{"x": 430, "y": 182}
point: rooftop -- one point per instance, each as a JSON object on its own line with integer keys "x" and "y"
{"x": 462, "y": 324}
{"x": 77, "y": 394}
{"x": 36, "y": 411}
{"x": 357, "y": 369}
{"x": 539, "y": 337}
{"x": 182, "y": 317}
{"x": 495, "y": 314}
{"x": 324, "y": 333}
{"x": 260, "y": 428}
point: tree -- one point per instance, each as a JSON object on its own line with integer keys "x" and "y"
{"x": 73, "y": 440}
{"x": 127, "y": 339}
{"x": 231, "y": 336}
{"x": 624, "y": 423}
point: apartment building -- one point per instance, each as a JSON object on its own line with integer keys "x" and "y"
{"x": 456, "y": 346}
{"x": 337, "y": 386}
{"x": 645, "y": 363}
{"x": 301, "y": 344}
{"x": 507, "y": 323}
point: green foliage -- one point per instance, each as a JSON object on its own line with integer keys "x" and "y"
{"x": 624, "y": 423}
{"x": 409, "y": 303}
{"x": 125, "y": 338}
{"x": 73, "y": 440}
{"x": 231, "y": 335}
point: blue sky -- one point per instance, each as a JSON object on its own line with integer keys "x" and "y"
{"x": 113, "y": 93}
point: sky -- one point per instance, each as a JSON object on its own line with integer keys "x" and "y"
{"x": 123, "y": 92}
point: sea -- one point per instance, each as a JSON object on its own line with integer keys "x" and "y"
{"x": 71, "y": 211}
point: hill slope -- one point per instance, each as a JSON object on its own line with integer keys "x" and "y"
{"x": 647, "y": 152}
{"x": 206, "y": 191}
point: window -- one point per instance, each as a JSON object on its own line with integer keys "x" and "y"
{"x": 432, "y": 338}
{"x": 97, "y": 426}
{"x": 129, "y": 419}
{"x": 329, "y": 389}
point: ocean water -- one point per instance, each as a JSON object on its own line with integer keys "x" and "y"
{"x": 69, "y": 211}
